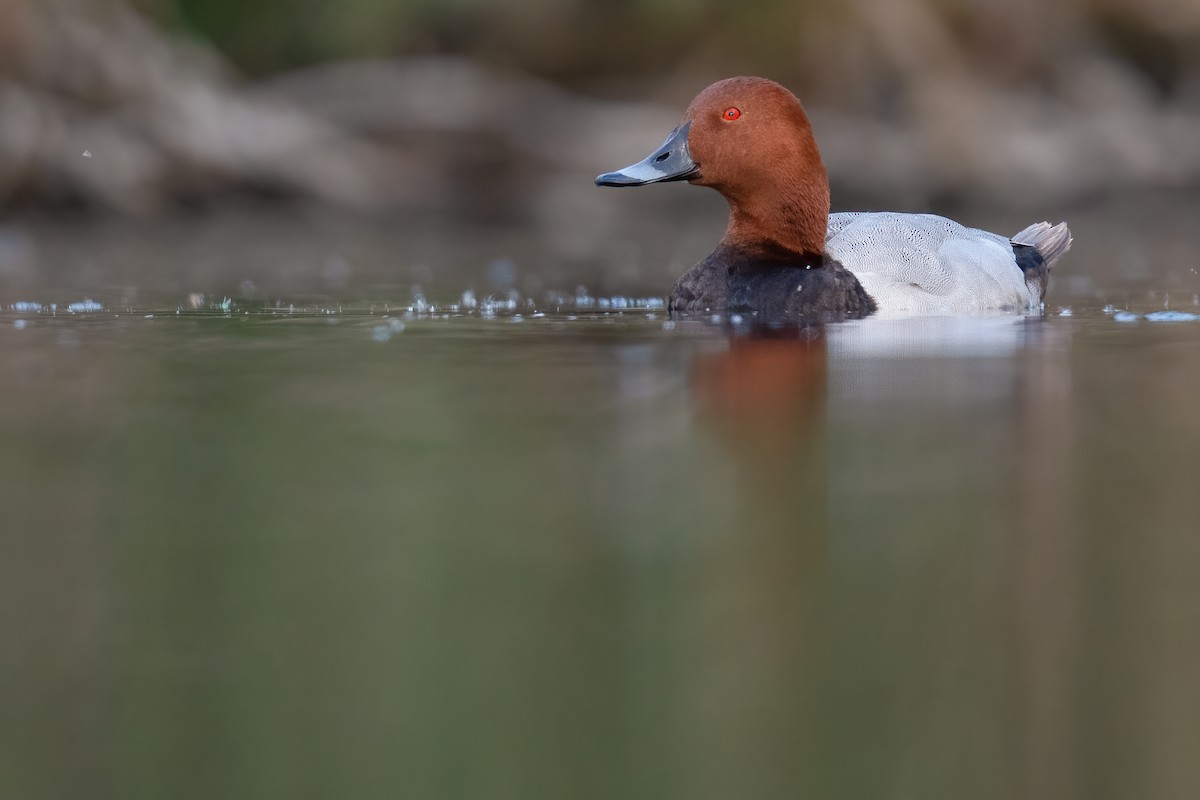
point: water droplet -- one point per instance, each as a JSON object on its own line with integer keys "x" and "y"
{"x": 84, "y": 306}
{"x": 502, "y": 273}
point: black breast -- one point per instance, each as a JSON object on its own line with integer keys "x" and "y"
{"x": 772, "y": 288}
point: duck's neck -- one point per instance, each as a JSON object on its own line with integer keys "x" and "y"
{"x": 784, "y": 220}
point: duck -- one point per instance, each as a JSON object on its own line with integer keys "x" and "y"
{"x": 784, "y": 256}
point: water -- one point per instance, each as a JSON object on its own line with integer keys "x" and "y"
{"x": 329, "y": 548}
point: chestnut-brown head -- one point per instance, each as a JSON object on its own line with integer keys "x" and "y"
{"x": 749, "y": 139}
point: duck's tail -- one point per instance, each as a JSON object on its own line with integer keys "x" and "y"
{"x": 1051, "y": 241}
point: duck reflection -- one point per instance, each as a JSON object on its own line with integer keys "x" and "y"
{"x": 766, "y": 390}
{"x": 869, "y": 528}
{"x": 764, "y": 398}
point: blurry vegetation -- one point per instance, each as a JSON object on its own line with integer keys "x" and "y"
{"x": 831, "y": 47}
{"x": 384, "y": 104}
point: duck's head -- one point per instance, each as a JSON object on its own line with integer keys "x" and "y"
{"x": 749, "y": 139}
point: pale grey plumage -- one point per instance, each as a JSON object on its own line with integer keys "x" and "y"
{"x": 926, "y": 263}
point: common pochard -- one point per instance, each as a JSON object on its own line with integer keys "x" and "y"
{"x": 785, "y": 257}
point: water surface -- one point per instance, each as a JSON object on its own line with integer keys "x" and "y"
{"x": 329, "y": 548}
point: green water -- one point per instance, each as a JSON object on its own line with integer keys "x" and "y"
{"x": 271, "y": 555}
{"x": 308, "y": 545}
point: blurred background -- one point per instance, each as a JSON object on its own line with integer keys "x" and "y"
{"x": 401, "y": 105}
{"x": 377, "y": 121}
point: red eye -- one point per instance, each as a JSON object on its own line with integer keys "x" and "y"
{"x": 731, "y": 114}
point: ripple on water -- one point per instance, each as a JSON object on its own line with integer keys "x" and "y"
{"x": 1172, "y": 316}
{"x": 511, "y": 307}
{"x": 1156, "y": 316}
